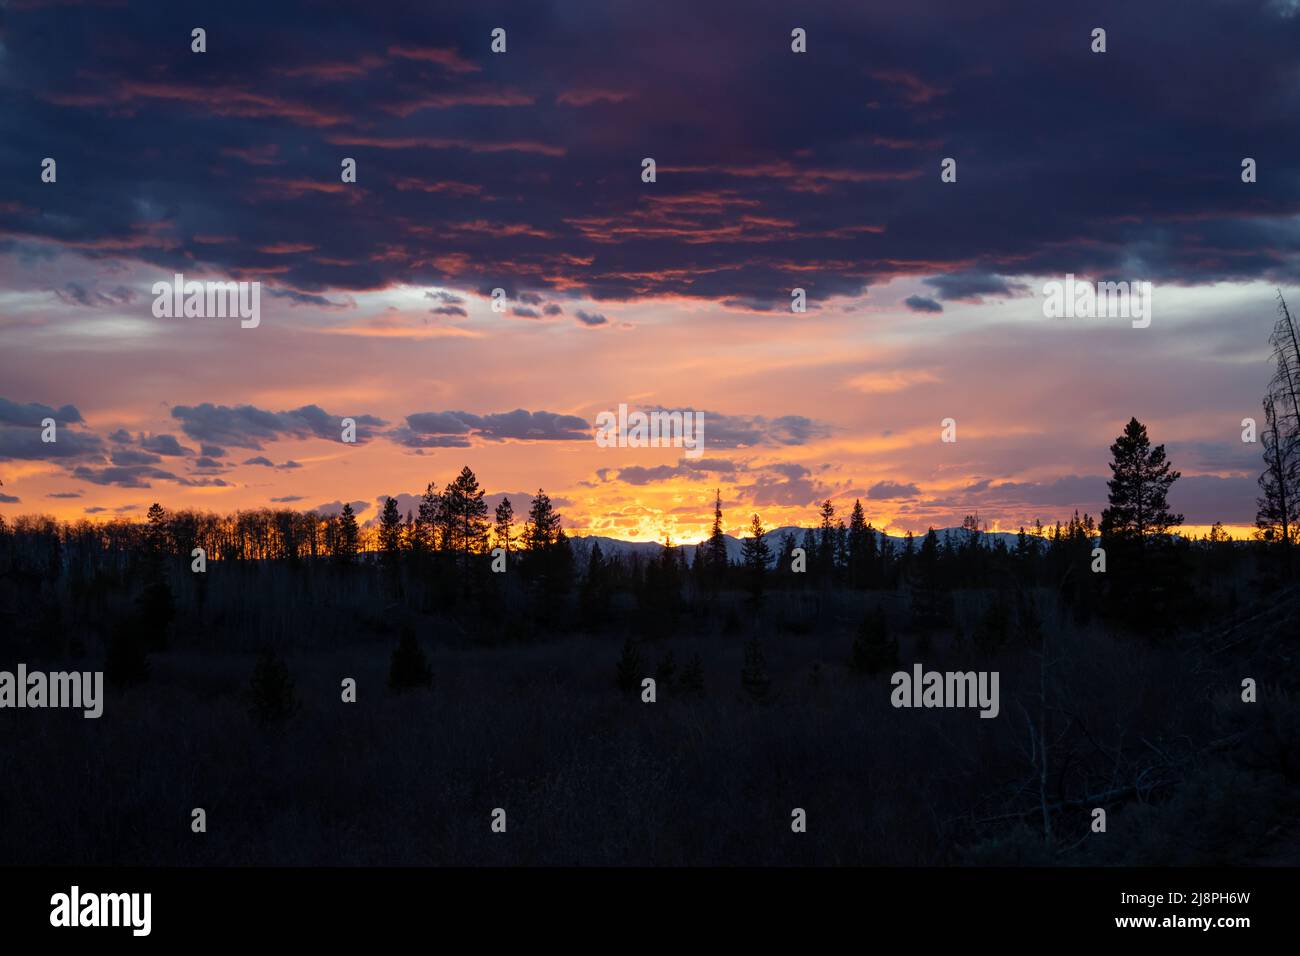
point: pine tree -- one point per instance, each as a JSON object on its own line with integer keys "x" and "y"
{"x": 717, "y": 547}
{"x": 594, "y": 596}
{"x": 874, "y": 649}
{"x": 1141, "y": 478}
{"x": 757, "y": 556}
{"x": 409, "y": 668}
{"x": 754, "y": 679}
{"x": 463, "y": 516}
{"x": 426, "y": 521}
{"x": 271, "y": 689}
{"x": 390, "y": 533}
{"x": 929, "y": 601}
{"x": 861, "y": 546}
{"x": 543, "y": 525}
{"x": 503, "y": 531}
{"x": 1145, "y": 584}
{"x": 349, "y": 536}
{"x": 826, "y": 543}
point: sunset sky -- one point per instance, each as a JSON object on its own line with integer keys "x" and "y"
{"x": 522, "y": 171}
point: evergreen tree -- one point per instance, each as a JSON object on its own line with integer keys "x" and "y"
{"x": 861, "y": 547}
{"x": 426, "y": 521}
{"x": 929, "y": 601}
{"x": 390, "y": 533}
{"x": 409, "y": 668}
{"x": 825, "y": 560}
{"x": 1141, "y": 477}
{"x": 1144, "y": 580}
{"x": 594, "y": 597}
{"x": 271, "y": 689}
{"x": 504, "y": 529}
{"x": 349, "y": 542}
{"x": 543, "y": 527}
{"x": 717, "y": 547}
{"x": 757, "y": 556}
{"x": 463, "y": 522}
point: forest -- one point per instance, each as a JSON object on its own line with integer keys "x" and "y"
{"x": 329, "y": 693}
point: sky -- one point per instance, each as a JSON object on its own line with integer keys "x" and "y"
{"x": 522, "y": 170}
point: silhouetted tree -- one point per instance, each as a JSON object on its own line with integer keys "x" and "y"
{"x": 594, "y": 596}
{"x": 717, "y": 546}
{"x": 862, "y": 546}
{"x": 349, "y": 542}
{"x": 503, "y": 531}
{"x": 757, "y": 556}
{"x": 1139, "y": 483}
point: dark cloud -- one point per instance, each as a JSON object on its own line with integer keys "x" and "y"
{"x": 638, "y": 475}
{"x": 129, "y": 476}
{"x": 455, "y": 429}
{"x": 164, "y": 445}
{"x": 64, "y": 494}
{"x": 8, "y": 499}
{"x": 449, "y": 310}
{"x": 525, "y": 313}
{"x": 884, "y": 490}
{"x": 32, "y": 414}
{"x": 245, "y": 426}
{"x": 971, "y": 286}
{"x": 743, "y": 431}
{"x": 212, "y": 451}
{"x": 287, "y": 499}
{"x": 590, "y": 318}
{"x": 522, "y": 190}
{"x": 919, "y": 303}
{"x": 128, "y": 456}
{"x": 21, "y": 434}
{"x": 260, "y": 460}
